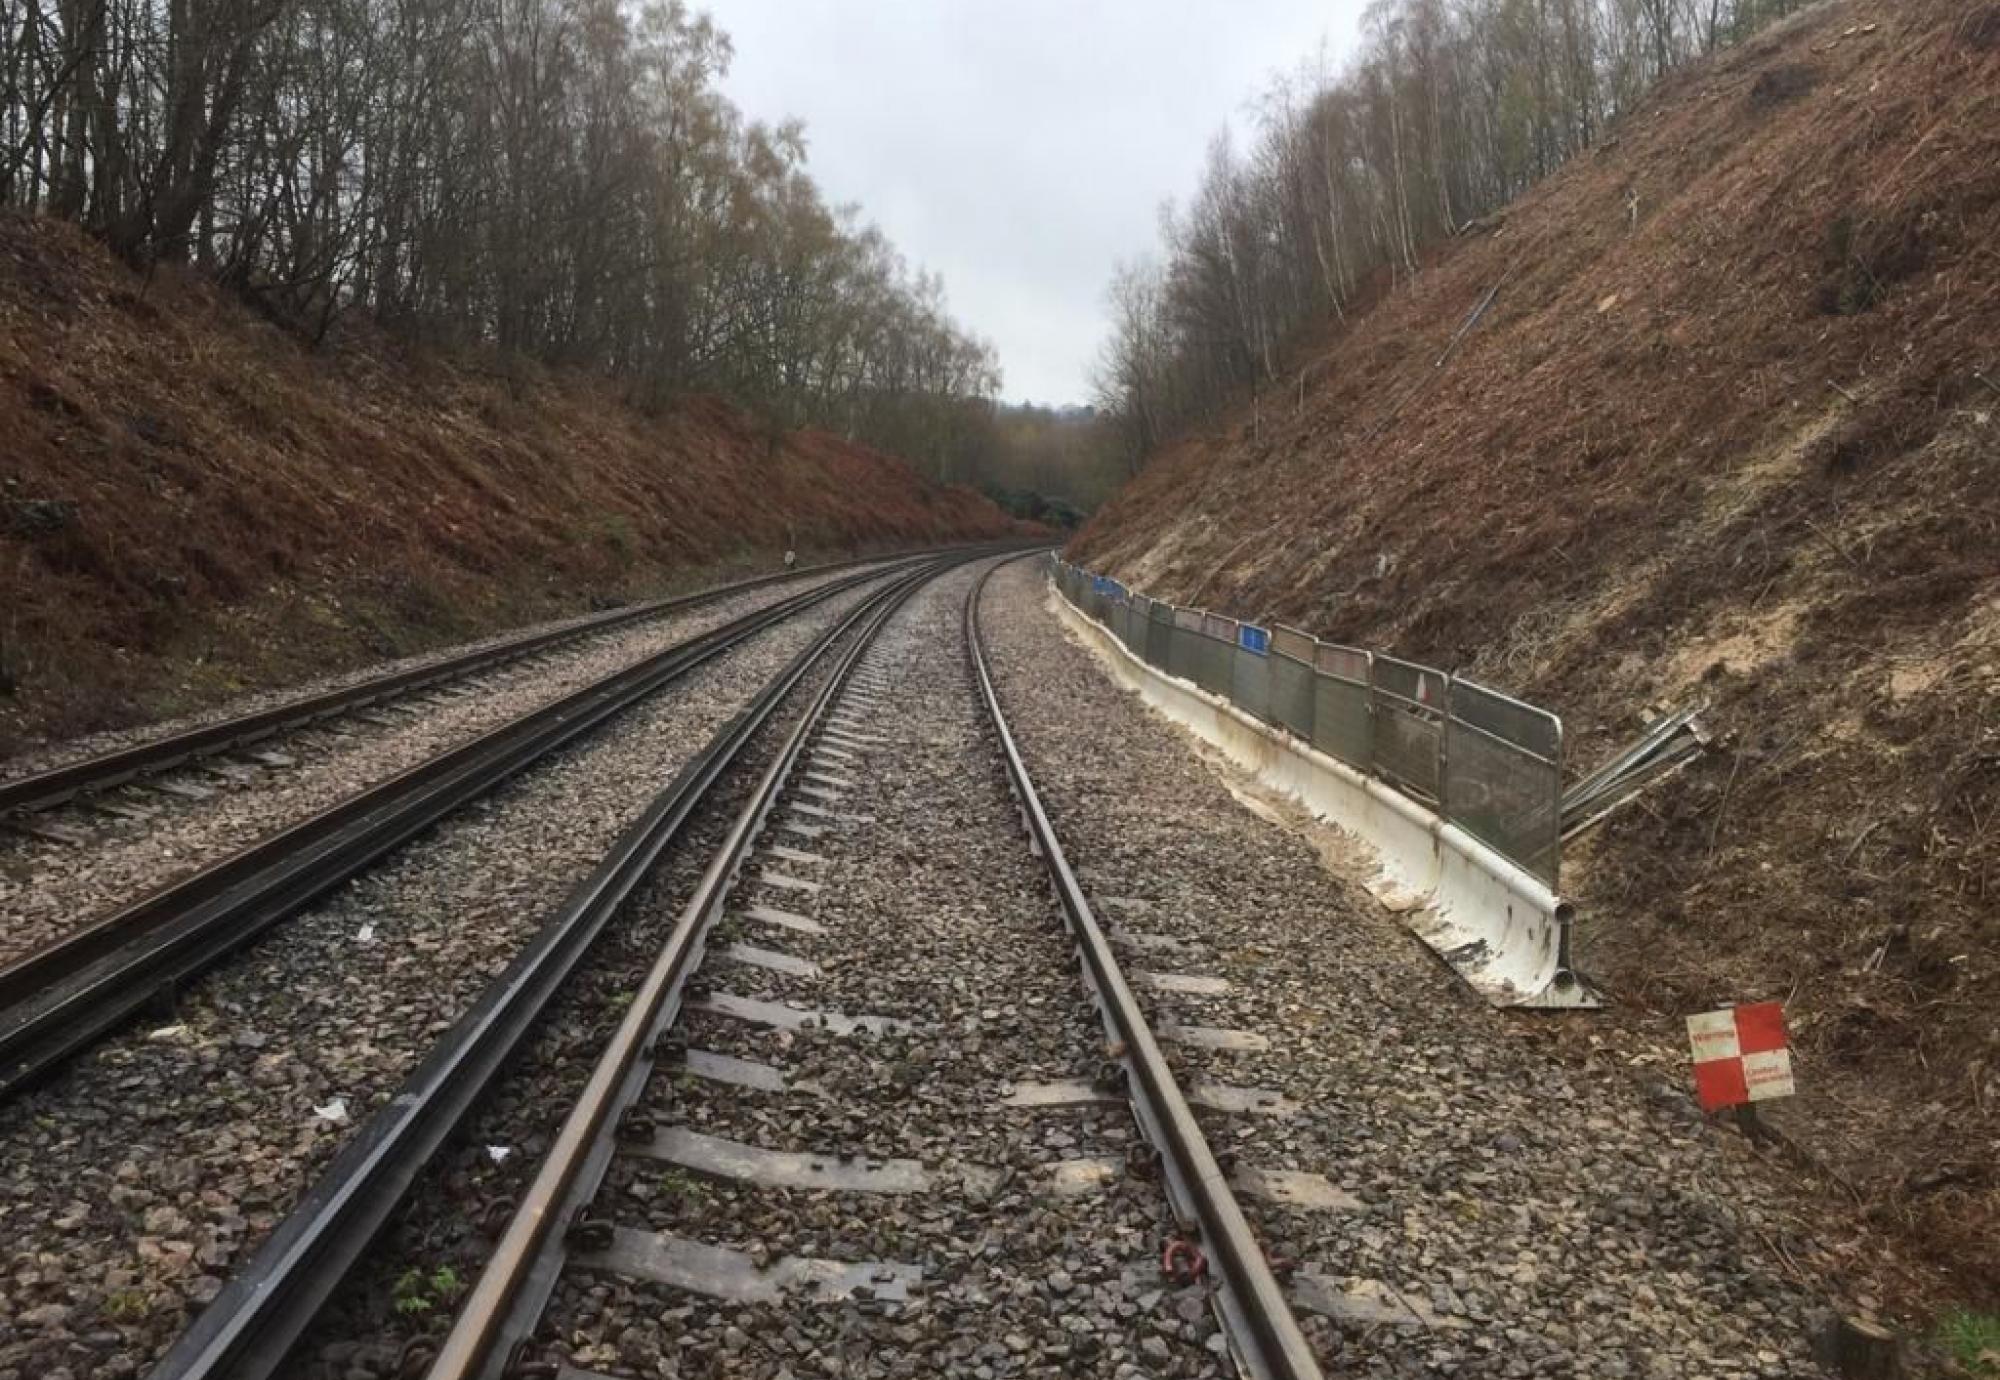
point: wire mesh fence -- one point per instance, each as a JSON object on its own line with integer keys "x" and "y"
{"x": 1292, "y": 679}
{"x": 1485, "y": 761}
{"x": 1407, "y": 702}
{"x": 1250, "y": 671}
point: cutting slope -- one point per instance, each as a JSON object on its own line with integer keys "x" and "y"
{"x": 1730, "y": 431}
{"x": 192, "y": 501}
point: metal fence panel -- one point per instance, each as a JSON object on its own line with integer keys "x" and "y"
{"x": 1503, "y": 776}
{"x": 1491, "y": 763}
{"x": 1159, "y": 634}
{"x": 1508, "y": 719}
{"x": 1408, "y": 701}
{"x": 1409, "y": 681}
{"x": 1343, "y": 723}
{"x": 1215, "y": 669}
{"x": 1184, "y": 657}
{"x": 1107, "y": 595}
{"x": 1292, "y": 695}
{"x": 1293, "y": 643}
{"x": 1180, "y": 652}
{"x": 1342, "y": 726}
{"x": 1292, "y": 680}
{"x": 1505, "y": 797}
{"x": 1250, "y": 671}
{"x": 1345, "y": 663}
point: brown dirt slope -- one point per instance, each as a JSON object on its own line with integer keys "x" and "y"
{"x": 191, "y": 501}
{"x": 1731, "y": 431}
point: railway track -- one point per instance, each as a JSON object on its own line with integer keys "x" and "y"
{"x": 33, "y": 792}
{"x": 252, "y": 1326}
{"x": 685, "y": 1068}
{"x": 876, "y": 1126}
{"x": 59, "y": 999}
{"x": 1259, "y": 1320}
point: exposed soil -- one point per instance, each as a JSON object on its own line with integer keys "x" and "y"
{"x": 1730, "y": 433}
{"x": 193, "y": 502}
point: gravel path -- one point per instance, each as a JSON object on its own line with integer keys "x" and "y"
{"x": 931, "y": 911}
{"x": 130, "y": 1185}
{"x": 1501, "y": 1216}
{"x": 48, "y": 888}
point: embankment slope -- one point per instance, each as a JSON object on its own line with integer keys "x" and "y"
{"x": 193, "y": 501}
{"x": 1730, "y": 432}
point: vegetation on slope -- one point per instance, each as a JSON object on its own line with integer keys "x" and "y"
{"x": 1049, "y": 464}
{"x": 564, "y": 181}
{"x": 193, "y": 501}
{"x": 506, "y": 257}
{"x": 1451, "y": 109}
{"x": 1728, "y": 430}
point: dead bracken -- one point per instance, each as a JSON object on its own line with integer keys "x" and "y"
{"x": 1772, "y": 305}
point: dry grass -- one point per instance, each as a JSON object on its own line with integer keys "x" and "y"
{"x": 1743, "y": 450}
{"x": 233, "y": 509}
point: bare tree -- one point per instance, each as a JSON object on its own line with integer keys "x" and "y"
{"x": 562, "y": 179}
{"x": 1452, "y": 108}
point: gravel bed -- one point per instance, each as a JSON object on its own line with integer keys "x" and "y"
{"x": 49, "y": 888}
{"x": 435, "y": 1248}
{"x": 130, "y": 1185}
{"x": 1510, "y": 1217}
{"x": 937, "y": 914}
{"x": 53, "y": 754}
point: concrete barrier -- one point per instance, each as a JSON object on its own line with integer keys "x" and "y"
{"x": 1501, "y": 929}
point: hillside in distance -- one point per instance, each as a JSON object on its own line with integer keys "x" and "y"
{"x": 194, "y": 502}
{"x": 1728, "y": 433}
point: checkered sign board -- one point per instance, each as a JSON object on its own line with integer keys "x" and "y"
{"x": 1740, "y": 1055}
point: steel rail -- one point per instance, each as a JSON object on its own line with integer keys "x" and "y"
{"x": 249, "y": 1329}
{"x": 51, "y": 787}
{"x": 1257, "y": 1318}
{"x": 506, "y": 1302}
{"x": 59, "y": 999}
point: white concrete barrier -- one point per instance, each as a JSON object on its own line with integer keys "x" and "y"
{"x": 1501, "y": 929}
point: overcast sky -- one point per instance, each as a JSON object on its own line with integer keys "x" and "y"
{"x": 1019, "y": 147}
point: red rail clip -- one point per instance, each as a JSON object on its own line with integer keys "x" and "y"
{"x": 1182, "y": 1262}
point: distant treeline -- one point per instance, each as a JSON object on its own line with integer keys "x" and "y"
{"x": 561, "y": 179}
{"x": 1047, "y": 464}
{"x": 1451, "y": 110}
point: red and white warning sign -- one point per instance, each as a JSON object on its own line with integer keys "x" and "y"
{"x": 1740, "y": 1055}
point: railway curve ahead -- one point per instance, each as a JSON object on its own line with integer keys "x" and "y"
{"x": 878, "y": 1088}
{"x": 29, "y": 792}
{"x": 254, "y": 1323}
{"x": 61, "y": 998}
{"x": 879, "y": 1099}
